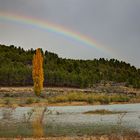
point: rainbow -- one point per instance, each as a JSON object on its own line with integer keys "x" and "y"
{"x": 54, "y": 28}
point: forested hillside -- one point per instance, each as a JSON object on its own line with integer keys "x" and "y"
{"x": 16, "y": 70}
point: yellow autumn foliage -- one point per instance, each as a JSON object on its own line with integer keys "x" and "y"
{"x": 37, "y": 72}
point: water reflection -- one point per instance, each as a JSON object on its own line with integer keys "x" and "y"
{"x": 68, "y": 120}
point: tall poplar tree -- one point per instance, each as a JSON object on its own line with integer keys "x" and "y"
{"x": 37, "y": 72}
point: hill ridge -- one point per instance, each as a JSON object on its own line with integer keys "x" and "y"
{"x": 16, "y": 70}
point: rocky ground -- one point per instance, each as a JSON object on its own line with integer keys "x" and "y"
{"x": 108, "y": 89}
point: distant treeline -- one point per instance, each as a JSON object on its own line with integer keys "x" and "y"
{"x": 16, "y": 70}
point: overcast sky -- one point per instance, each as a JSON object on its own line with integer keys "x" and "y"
{"x": 115, "y": 24}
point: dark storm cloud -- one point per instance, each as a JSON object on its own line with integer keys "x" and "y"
{"x": 113, "y": 23}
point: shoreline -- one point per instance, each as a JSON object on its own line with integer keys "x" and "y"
{"x": 62, "y": 104}
{"x": 62, "y": 96}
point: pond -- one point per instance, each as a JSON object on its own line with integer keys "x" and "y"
{"x": 70, "y": 120}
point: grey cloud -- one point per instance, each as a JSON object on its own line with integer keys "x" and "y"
{"x": 113, "y": 23}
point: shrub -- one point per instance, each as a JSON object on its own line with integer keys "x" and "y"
{"x": 59, "y": 99}
{"x": 73, "y": 97}
{"x": 6, "y": 95}
{"x": 119, "y": 98}
{"x": 105, "y": 100}
{"x": 7, "y": 101}
{"x": 37, "y": 100}
{"x": 29, "y": 101}
{"x": 90, "y": 100}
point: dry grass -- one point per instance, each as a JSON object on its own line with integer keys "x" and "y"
{"x": 103, "y": 112}
{"x": 65, "y": 89}
{"x": 89, "y": 98}
{"x": 20, "y": 96}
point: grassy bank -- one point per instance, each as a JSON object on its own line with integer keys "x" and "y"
{"x": 65, "y": 96}
{"x": 89, "y": 98}
{"x": 69, "y": 98}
